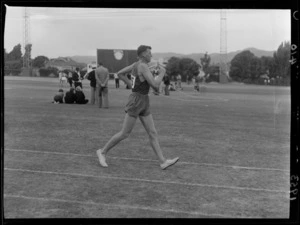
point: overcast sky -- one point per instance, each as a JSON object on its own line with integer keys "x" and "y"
{"x": 63, "y": 32}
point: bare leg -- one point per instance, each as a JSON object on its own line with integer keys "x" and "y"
{"x": 128, "y": 125}
{"x": 148, "y": 124}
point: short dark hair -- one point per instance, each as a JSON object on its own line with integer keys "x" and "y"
{"x": 100, "y": 64}
{"x": 142, "y": 48}
{"x": 60, "y": 90}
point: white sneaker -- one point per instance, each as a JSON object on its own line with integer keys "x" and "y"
{"x": 169, "y": 162}
{"x": 101, "y": 157}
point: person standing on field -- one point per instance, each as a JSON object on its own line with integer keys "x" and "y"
{"x": 178, "y": 79}
{"x": 166, "y": 81}
{"x": 117, "y": 80}
{"x": 91, "y": 77}
{"x": 138, "y": 106}
{"x": 70, "y": 78}
{"x": 102, "y": 77}
{"x": 77, "y": 78}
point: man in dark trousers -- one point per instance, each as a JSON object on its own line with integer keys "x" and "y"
{"x": 91, "y": 77}
{"x": 166, "y": 81}
{"x": 77, "y": 78}
{"x": 117, "y": 80}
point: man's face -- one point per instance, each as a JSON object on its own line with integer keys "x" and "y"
{"x": 147, "y": 55}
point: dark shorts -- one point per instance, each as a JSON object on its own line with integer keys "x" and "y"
{"x": 138, "y": 105}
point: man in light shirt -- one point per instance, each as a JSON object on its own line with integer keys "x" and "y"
{"x": 102, "y": 77}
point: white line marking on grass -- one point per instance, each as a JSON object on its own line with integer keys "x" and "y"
{"x": 119, "y": 206}
{"x": 192, "y": 100}
{"x": 201, "y": 97}
{"x": 185, "y": 100}
{"x": 146, "y": 180}
{"x": 152, "y": 160}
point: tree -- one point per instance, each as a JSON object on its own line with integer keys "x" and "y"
{"x": 255, "y": 69}
{"x": 173, "y": 66}
{"x": 39, "y": 61}
{"x": 267, "y": 64}
{"x": 281, "y": 61}
{"x": 15, "y": 54}
{"x": 213, "y": 71}
{"x": 188, "y": 68}
{"x": 240, "y": 69}
{"x": 13, "y": 61}
{"x": 205, "y": 62}
{"x": 45, "y": 72}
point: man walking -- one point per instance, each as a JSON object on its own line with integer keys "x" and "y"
{"x": 138, "y": 106}
{"x": 102, "y": 77}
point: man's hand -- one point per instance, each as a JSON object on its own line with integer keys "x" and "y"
{"x": 162, "y": 70}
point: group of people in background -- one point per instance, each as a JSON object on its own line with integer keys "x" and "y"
{"x": 98, "y": 78}
{"x": 74, "y": 95}
{"x": 72, "y": 77}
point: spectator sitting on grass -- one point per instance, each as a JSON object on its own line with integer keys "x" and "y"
{"x": 80, "y": 97}
{"x": 58, "y": 98}
{"x": 70, "y": 96}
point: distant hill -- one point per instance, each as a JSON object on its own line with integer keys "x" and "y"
{"x": 84, "y": 59}
{"x": 215, "y": 57}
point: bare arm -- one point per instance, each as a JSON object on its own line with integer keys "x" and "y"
{"x": 85, "y": 76}
{"x": 122, "y": 75}
{"x": 125, "y": 70}
{"x": 125, "y": 79}
{"x": 154, "y": 83}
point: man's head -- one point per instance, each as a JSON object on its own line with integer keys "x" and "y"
{"x": 144, "y": 52}
{"x": 100, "y": 64}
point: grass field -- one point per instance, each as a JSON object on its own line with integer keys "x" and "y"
{"x": 232, "y": 140}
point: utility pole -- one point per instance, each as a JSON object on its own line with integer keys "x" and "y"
{"x": 223, "y": 78}
{"x": 27, "y": 70}
{"x": 26, "y": 38}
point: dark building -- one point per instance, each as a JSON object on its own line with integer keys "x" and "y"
{"x": 116, "y": 59}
